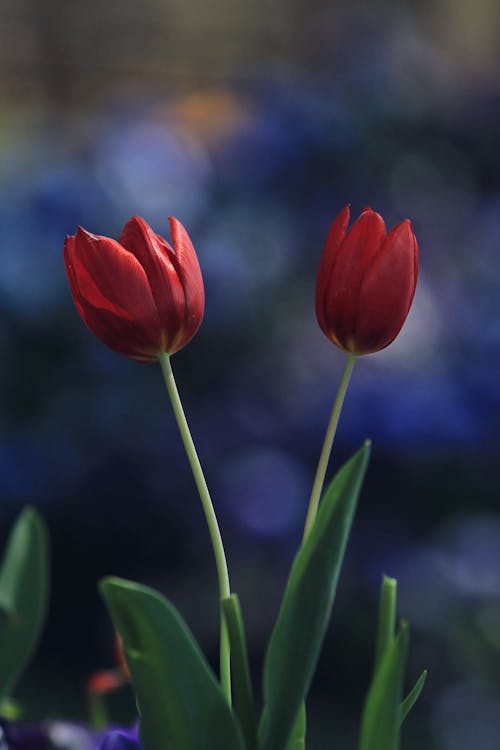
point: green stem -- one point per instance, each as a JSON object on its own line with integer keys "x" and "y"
{"x": 208, "y": 508}
{"x": 319, "y": 479}
{"x": 99, "y": 718}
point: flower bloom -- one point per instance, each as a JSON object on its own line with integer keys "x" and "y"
{"x": 139, "y": 296}
{"x": 366, "y": 282}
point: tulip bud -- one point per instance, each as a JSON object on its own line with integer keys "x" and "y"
{"x": 366, "y": 282}
{"x": 139, "y": 296}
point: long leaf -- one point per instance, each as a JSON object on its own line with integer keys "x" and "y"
{"x": 240, "y": 670}
{"x": 303, "y": 617}
{"x": 24, "y": 592}
{"x": 381, "y": 722}
{"x": 413, "y": 696}
{"x": 181, "y": 704}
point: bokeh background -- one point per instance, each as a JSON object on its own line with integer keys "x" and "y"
{"x": 254, "y": 123}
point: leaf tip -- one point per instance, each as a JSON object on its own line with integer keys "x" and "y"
{"x": 109, "y": 584}
{"x": 30, "y": 512}
{"x": 366, "y": 449}
{"x": 404, "y": 633}
{"x": 389, "y": 582}
{"x": 33, "y": 517}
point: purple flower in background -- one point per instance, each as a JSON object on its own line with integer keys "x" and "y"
{"x": 65, "y": 736}
{"x": 15, "y": 736}
{"x": 120, "y": 739}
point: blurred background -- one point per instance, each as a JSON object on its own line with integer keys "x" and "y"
{"x": 254, "y": 123}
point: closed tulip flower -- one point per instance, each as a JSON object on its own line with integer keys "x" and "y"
{"x": 138, "y": 295}
{"x": 366, "y": 282}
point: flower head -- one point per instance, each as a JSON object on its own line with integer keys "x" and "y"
{"x": 366, "y": 282}
{"x": 138, "y": 295}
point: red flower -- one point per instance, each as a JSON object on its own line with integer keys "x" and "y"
{"x": 366, "y": 282}
{"x": 139, "y": 296}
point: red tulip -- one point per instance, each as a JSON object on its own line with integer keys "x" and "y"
{"x": 366, "y": 282}
{"x": 139, "y": 296}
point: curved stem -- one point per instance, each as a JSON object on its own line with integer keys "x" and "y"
{"x": 208, "y": 508}
{"x": 326, "y": 450}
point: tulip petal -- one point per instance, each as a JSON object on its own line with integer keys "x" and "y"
{"x": 166, "y": 287}
{"x": 387, "y": 290}
{"x": 333, "y": 242}
{"x": 110, "y": 277}
{"x": 121, "y": 335}
{"x": 112, "y": 295}
{"x": 188, "y": 269}
{"x": 347, "y": 271}
{"x": 69, "y": 249}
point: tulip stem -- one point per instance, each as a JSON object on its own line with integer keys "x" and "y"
{"x": 211, "y": 518}
{"x": 326, "y": 450}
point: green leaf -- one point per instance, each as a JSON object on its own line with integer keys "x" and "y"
{"x": 413, "y": 696}
{"x": 240, "y": 670}
{"x": 297, "y": 740}
{"x": 302, "y": 620}
{"x": 381, "y": 722}
{"x": 181, "y": 704}
{"x": 24, "y": 592}
{"x": 386, "y": 618}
